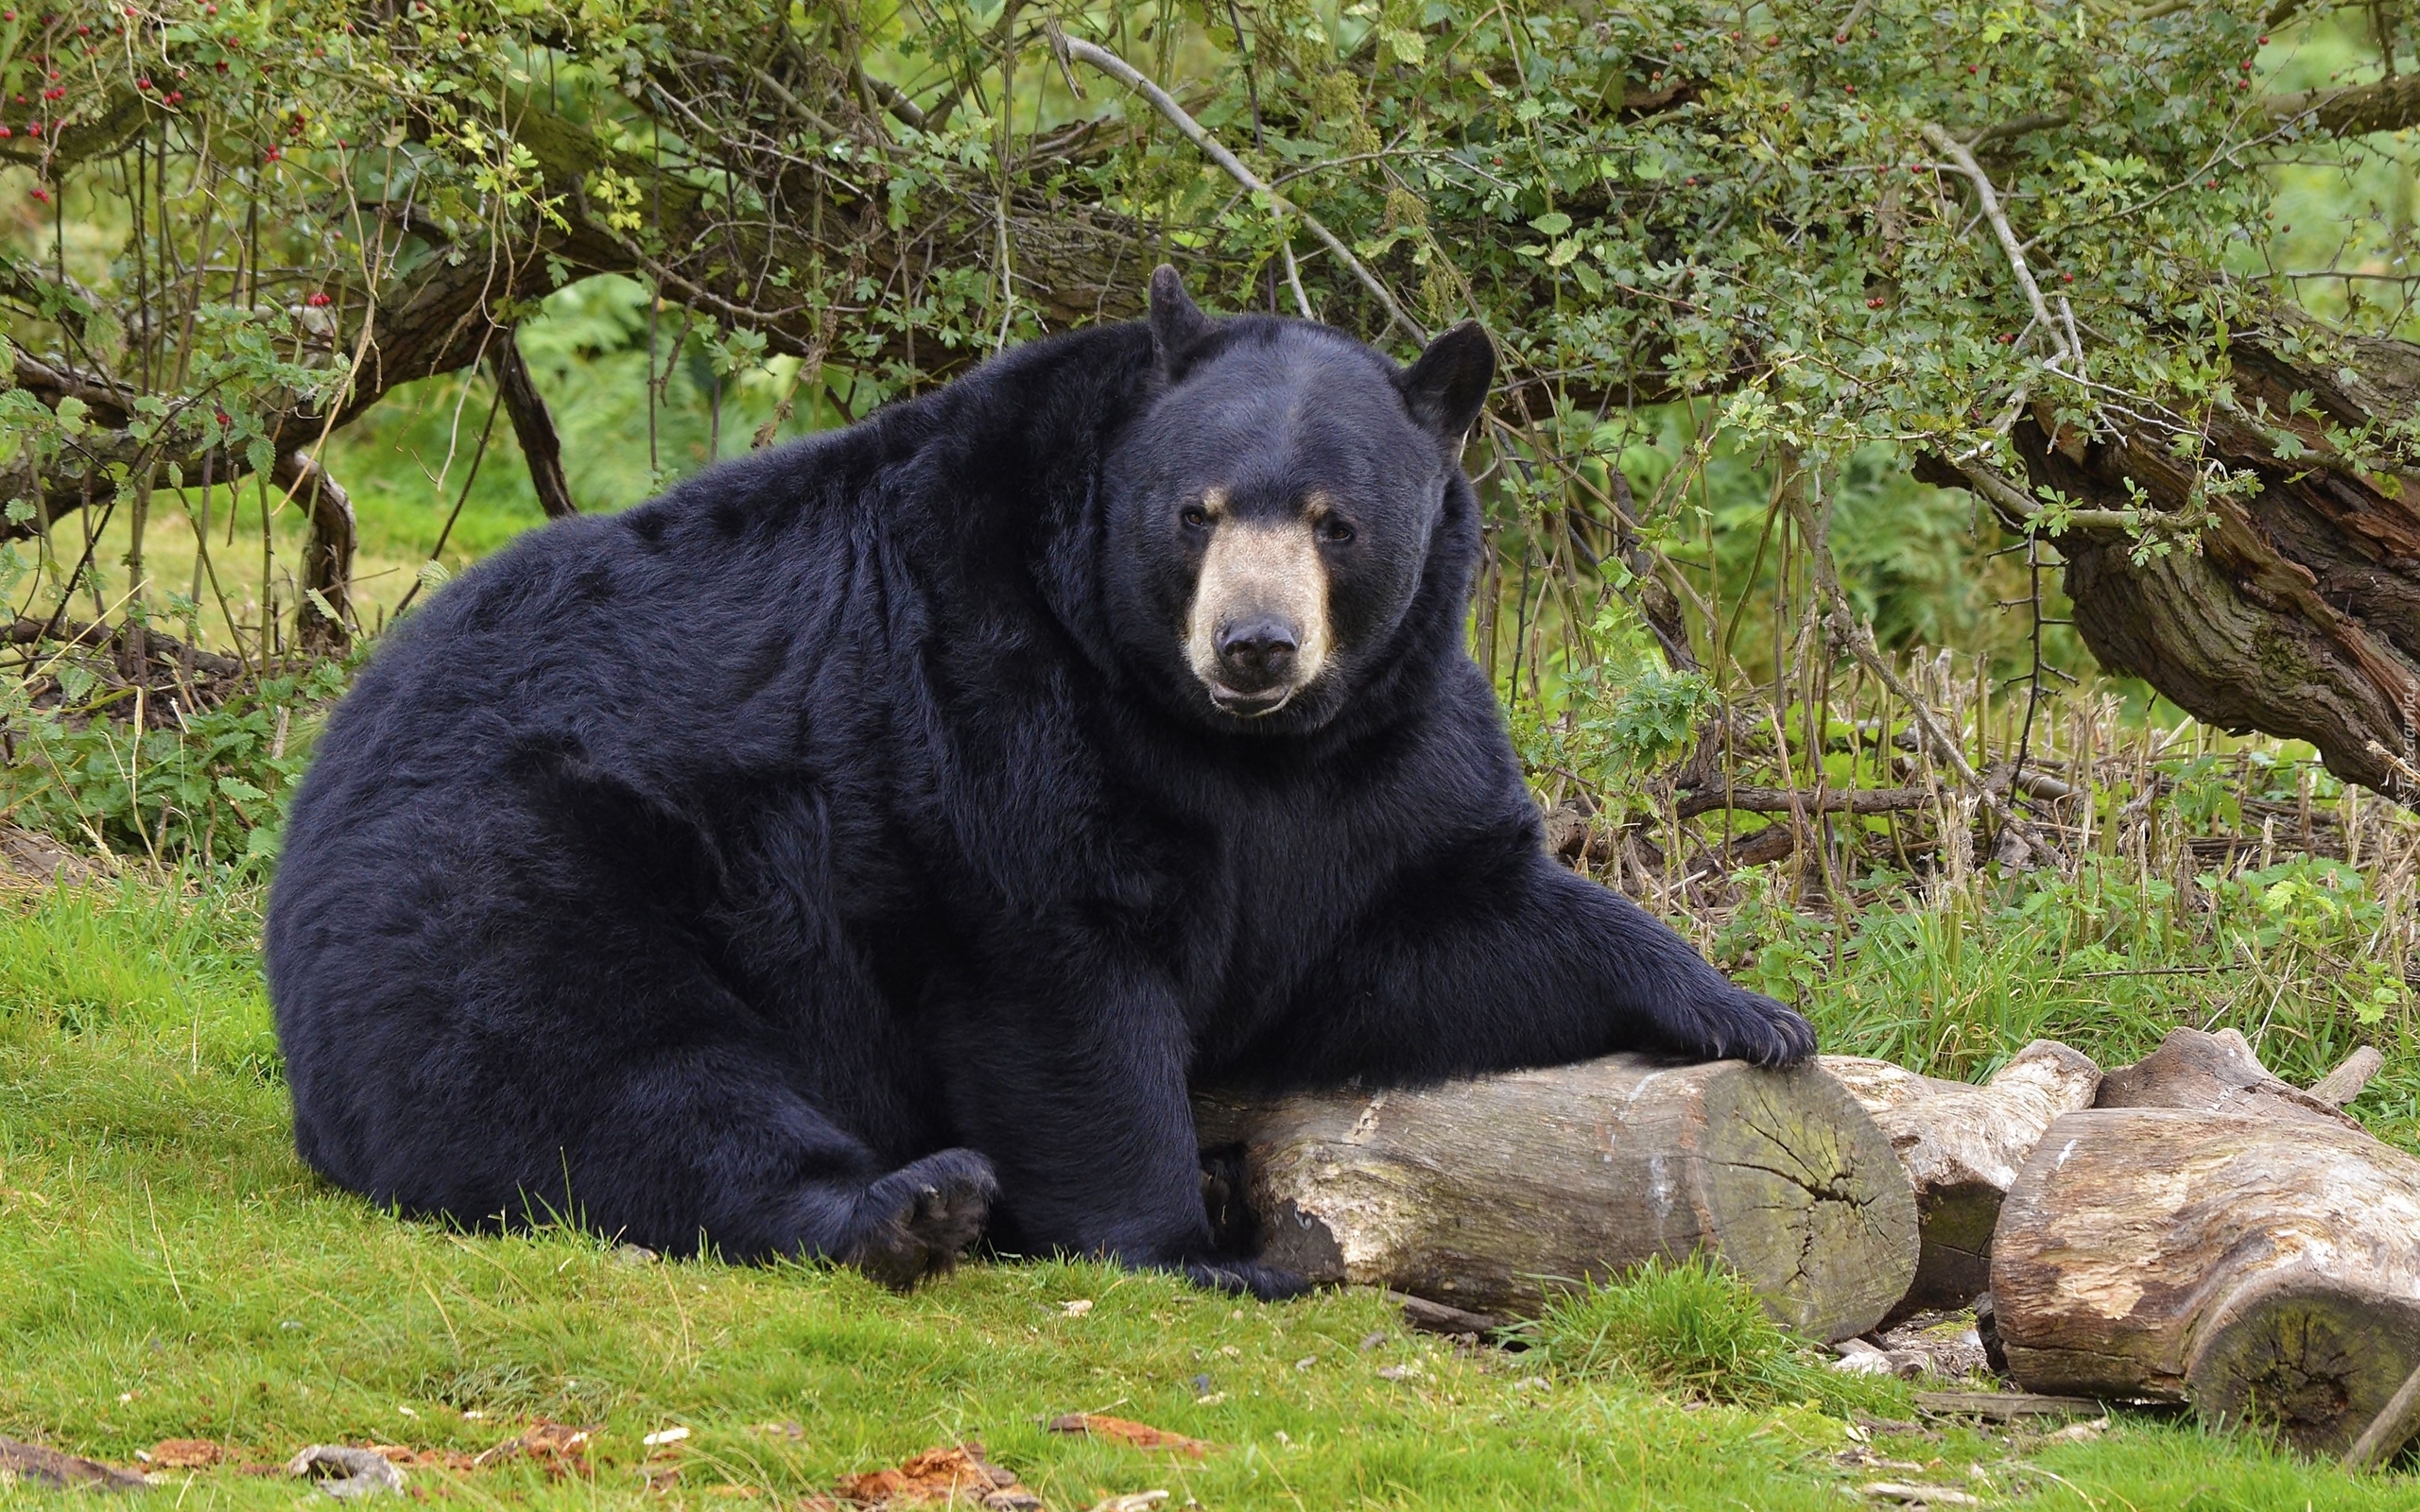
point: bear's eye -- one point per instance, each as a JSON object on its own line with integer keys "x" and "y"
{"x": 1194, "y": 516}
{"x": 1334, "y": 531}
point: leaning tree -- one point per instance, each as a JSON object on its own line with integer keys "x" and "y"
{"x": 2030, "y": 246}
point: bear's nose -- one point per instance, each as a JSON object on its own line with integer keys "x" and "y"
{"x": 1256, "y": 654}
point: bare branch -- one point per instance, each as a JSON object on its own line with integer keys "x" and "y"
{"x": 1951, "y": 148}
{"x": 1280, "y": 207}
{"x": 533, "y": 427}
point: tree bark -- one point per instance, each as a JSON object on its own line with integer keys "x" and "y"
{"x": 1483, "y": 1195}
{"x": 2265, "y": 1269}
{"x": 1961, "y": 1146}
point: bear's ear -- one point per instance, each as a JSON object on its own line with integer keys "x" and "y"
{"x": 1178, "y": 324}
{"x": 1446, "y": 387}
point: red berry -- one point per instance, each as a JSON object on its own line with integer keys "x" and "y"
{"x": 176, "y": 96}
{"x": 1839, "y": 37}
{"x": 1875, "y": 303}
{"x": 43, "y": 195}
{"x": 1852, "y": 89}
{"x": 1972, "y": 69}
{"x": 4, "y": 132}
{"x": 221, "y": 417}
{"x": 143, "y": 83}
{"x": 2067, "y": 277}
{"x": 1691, "y": 181}
{"x": 33, "y": 128}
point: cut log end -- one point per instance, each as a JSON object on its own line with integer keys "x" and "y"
{"x": 2312, "y": 1359}
{"x": 1809, "y": 1203}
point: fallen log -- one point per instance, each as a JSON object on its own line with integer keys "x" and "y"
{"x": 1488, "y": 1196}
{"x": 2214, "y": 1073}
{"x": 2267, "y": 1269}
{"x": 1962, "y": 1145}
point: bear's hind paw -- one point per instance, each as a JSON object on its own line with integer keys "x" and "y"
{"x": 919, "y": 1218}
{"x": 1245, "y": 1278}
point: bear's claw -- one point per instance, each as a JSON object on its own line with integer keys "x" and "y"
{"x": 1742, "y": 1026}
{"x": 921, "y": 1216}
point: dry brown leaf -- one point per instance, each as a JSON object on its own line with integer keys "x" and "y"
{"x": 559, "y": 1448}
{"x": 453, "y": 1460}
{"x": 187, "y": 1454}
{"x": 955, "y": 1475}
{"x": 1141, "y": 1435}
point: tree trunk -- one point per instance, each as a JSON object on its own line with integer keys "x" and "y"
{"x": 2266, "y": 1269}
{"x": 1483, "y": 1193}
{"x": 533, "y": 427}
{"x": 1961, "y": 1146}
{"x": 325, "y": 623}
{"x": 2299, "y": 615}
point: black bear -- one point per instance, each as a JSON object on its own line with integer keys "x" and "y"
{"x": 873, "y": 838}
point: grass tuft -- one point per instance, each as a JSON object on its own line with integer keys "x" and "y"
{"x": 1692, "y": 1326}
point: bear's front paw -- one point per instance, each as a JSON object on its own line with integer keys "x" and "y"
{"x": 1245, "y": 1278}
{"x": 918, "y": 1218}
{"x": 1730, "y": 1023}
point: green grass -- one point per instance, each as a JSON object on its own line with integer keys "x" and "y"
{"x": 167, "y": 1269}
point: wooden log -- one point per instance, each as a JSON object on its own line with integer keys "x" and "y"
{"x": 1962, "y": 1145}
{"x": 2343, "y": 1084}
{"x": 2266, "y": 1269}
{"x": 2214, "y": 1073}
{"x": 1489, "y": 1194}
{"x": 48, "y": 1466}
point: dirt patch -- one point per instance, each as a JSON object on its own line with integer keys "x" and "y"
{"x": 30, "y": 859}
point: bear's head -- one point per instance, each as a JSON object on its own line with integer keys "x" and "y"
{"x": 1271, "y": 510}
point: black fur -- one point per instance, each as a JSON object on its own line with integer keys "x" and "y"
{"x": 840, "y": 846}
